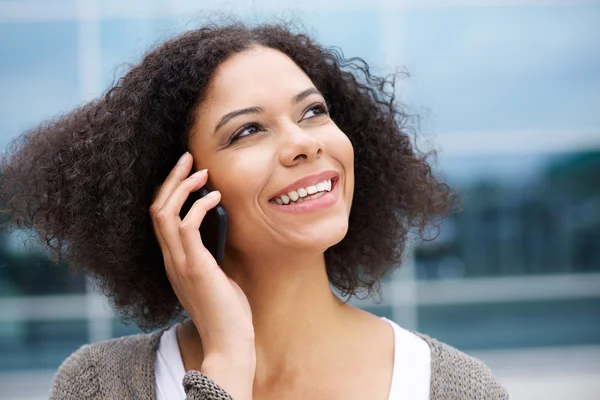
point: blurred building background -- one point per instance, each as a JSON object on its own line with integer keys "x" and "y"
{"x": 508, "y": 92}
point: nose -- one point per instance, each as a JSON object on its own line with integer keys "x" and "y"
{"x": 299, "y": 146}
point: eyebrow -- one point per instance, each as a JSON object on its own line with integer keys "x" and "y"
{"x": 257, "y": 110}
{"x": 304, "y": 94}
{"x": 236, "y": 113}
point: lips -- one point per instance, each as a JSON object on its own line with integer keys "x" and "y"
{"x": 307, "y": 186}
{"x": 310, "y": 203}
{"x": 304, "y": 194}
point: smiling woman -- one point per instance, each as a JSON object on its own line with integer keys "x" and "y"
{"x": 309, "y": 155}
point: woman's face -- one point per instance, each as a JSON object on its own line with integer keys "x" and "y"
{"x": 264, "y": 134}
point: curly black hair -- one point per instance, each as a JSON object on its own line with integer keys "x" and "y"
{"x": 84, "y": 181}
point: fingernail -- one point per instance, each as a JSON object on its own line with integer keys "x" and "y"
{"x": 213, "y": 193}
{"x": 199, "y": 173}
{"x": 183, "y": 158}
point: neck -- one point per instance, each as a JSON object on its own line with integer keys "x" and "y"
{"x": 296, "y": 316}
{"x": 294, "y": 312}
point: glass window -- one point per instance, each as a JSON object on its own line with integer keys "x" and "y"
{"x": 513, "y": 324}
{"x": 503, "y": 68}
{"x": 38, "y": 74}
{"x": 522, "y": 215}
{"x": 125, "y": 41}
{"x": 39, "y": 344}
{"x": 356, "y": 32}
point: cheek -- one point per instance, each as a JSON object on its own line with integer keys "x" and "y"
{"x": 340, "y": 148}
{"x": 348, "y": 150}
{"x": 240, "y": 177}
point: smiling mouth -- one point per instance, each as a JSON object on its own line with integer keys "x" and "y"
{"x": 306, "y": 193}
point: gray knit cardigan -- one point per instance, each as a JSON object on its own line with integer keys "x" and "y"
{"x": 123, "y": 369}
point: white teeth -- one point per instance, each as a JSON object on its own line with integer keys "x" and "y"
{"x": 307, "y": 193}
{"x": 314, "y": 196}
{"x": 293, "y": 195}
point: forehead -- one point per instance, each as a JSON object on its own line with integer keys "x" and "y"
{"x": 253, "y": 77}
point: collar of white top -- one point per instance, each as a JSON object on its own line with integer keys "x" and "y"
{"x": 411, "y": 375}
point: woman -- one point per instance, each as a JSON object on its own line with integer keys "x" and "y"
{"x": 309, "y": 155}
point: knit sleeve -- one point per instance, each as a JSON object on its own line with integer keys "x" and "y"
{"x": 76, "y": 378}
{"x": 198, "y": 386}
{"x": 457, "y": 376}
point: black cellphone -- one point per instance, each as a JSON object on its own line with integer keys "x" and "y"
{"x": 213, "y": 229}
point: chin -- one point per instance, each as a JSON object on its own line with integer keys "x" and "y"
{"x": 325, "y": 237}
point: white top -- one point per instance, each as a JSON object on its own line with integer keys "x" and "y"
{"x": 169, "y": 370}
{"x": 410, "y": 378}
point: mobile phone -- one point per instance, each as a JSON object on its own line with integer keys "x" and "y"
{"x": 213, "y": 228}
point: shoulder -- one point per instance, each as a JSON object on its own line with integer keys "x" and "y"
{"x": 118, "y": 366}
{"x": 456, "y": 375}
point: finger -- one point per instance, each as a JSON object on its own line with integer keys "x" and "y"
{"x": 161, "y": 242}
{"x": 191, "y": 240}
{"x": 179, "y": 172}
{"x": 162, "y": 192}
{"x": 189, "y": 230}
{"x": 181, "y": 192}
{"x": 157, "y": 233}
{"x": 167, "y": 219}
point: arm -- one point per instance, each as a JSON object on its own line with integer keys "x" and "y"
{"x": 198, "y": 386}
{"x": 215, "y": 303}
{"x": 219, "y": 379}
{"x": 456, "y": 375}
{"x": 76, "y": 378}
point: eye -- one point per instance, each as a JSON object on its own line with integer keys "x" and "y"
{"x": 315, "y": 110}
{"x": 246, "y": 130}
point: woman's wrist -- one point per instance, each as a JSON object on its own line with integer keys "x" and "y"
{"x": 234, "y": 373}
{"x": 238, "y": 362}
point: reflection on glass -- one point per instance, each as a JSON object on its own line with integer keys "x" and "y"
{"x": 548, "y": 222}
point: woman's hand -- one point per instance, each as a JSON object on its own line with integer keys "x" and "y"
{"x": 214, "y": 302}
